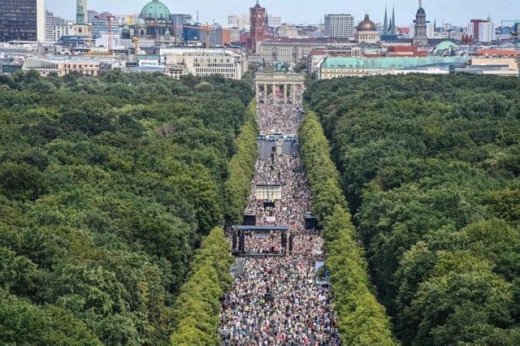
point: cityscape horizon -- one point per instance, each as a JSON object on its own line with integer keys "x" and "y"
{"x": 453, "y": 12}
{"x": 259, "y": 173}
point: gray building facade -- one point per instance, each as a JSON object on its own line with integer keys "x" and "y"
{"x": 339, "y": 25}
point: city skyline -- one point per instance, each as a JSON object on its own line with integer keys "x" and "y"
{"x": 457, "y": 12}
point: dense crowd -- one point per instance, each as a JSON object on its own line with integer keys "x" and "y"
{"x": 279, "y": 118}
{"x": 263, "y": 244}
{"x": 279, "y": 300}
{"x": 284, "y": 170}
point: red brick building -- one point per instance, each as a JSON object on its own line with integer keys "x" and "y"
{"x": 258, "y": 26}
{"x": 404, "y": 51}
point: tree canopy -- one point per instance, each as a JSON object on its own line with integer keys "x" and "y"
{"x": 107, "y": 186}
{"x": 430, "y": 166}
{"x": 362, "y": 320}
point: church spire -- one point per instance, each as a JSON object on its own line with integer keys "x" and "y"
{"x": 392, "y": 27}
{"x": 385, "y": 24}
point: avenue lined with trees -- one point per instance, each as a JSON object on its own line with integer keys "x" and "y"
{"x": 107, "y": 186}
{"x": 361, "y": 318}
{"x": 241, "y": 169}
{"x": 197, "y": 310}
{"x": 197, "y": 313}
{"x": 114, "y": 189}
{"x": 430, "y": 167}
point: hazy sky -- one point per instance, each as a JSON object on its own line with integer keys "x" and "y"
{"x": 312, "y": 11}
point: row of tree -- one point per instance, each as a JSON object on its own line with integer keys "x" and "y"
{"x": 107, "y": 185}
{"x": 362, "y": 320}
{"x": 242, "y": 169}
{"x": 430, "y": 165}
{"x": 198, "y": 304}
{"x": 197, "y": 312}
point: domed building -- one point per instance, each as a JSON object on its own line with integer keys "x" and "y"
{"x": 155, "y": 21}
{"x": 366, "y": 31}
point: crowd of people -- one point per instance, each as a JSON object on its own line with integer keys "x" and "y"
{"x": 263, "y": 244}
{"x": 279, "y": 300}
{"x": 278, "y": 118}
{"x": 284, "y": 170}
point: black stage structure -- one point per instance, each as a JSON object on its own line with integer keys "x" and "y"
{"x": 240, "y": 233}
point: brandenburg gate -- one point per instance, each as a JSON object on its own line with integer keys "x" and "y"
{"x": 279, "y": 85}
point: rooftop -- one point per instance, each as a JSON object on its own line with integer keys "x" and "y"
{"x": 399, "y": 63}
{"x": 445, "y": 45}
{"x": 367, "y": 24}
{"x": 155, "y": 10}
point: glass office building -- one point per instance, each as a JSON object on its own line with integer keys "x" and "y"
{"x": 22, "y": 20}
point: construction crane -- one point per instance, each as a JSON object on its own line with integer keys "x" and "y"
{"x": 109, "y": 19}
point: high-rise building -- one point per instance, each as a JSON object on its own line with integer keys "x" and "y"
{"x": 420, "y": 37}
{"x": 482, "y": 30}
{"x": 178, "y": 22}
{"x": 474, "y": 28}
{"x": 51, "y": 22}
{"x": 258, "y": 25}
{"x": 100, "y": 26}
{"x": 339, "y": 25}
{"x": 240, "y": 22}
{"x": 274, "y": 21}
{"x": 22, "y": 20}
{"x": 81, "y": 11}
{"x": 487, "y": 32}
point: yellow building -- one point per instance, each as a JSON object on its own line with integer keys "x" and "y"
{"x": 61, "y": 67}
{"x": 496, "y": 66}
